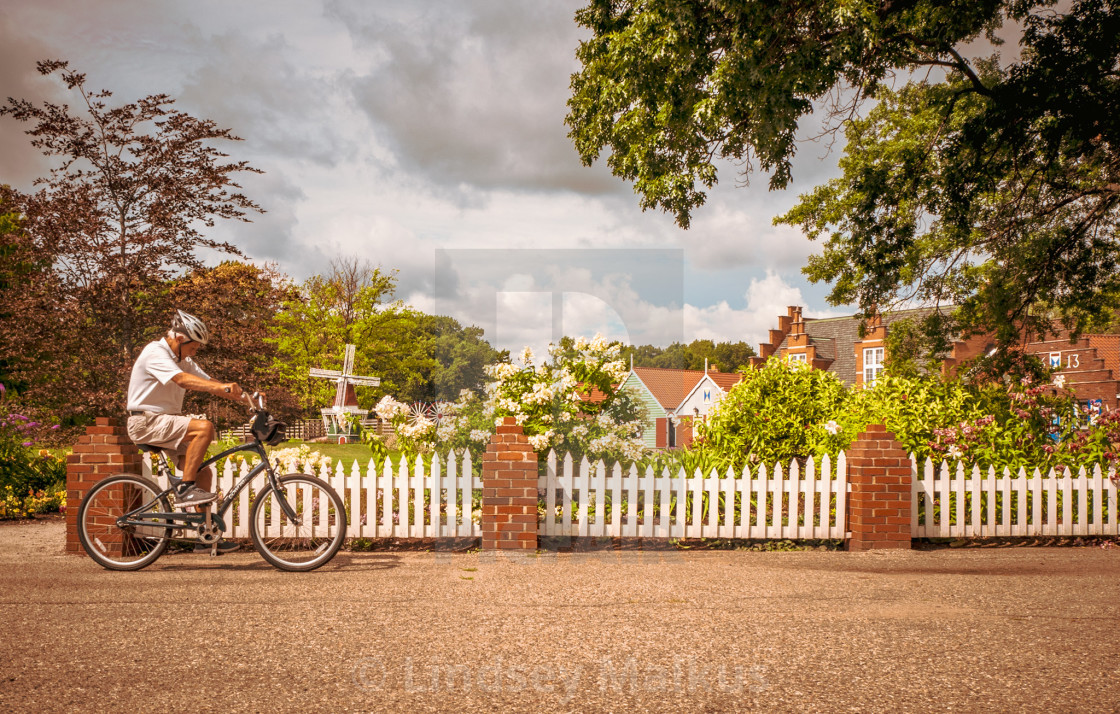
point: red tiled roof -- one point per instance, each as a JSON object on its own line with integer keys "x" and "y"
{"x": 670, "y": 386}
{"x": 725, "y": 380}
{"x": 594, "y": 397}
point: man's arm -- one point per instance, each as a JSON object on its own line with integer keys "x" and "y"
{"x": 229, "y": 390}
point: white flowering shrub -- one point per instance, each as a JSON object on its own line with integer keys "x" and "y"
{"x": 301, "y": 455}
{"x": 571, "y": 403}
{"x": 454, "y": 425}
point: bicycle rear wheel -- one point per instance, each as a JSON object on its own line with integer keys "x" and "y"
{"x": 313, "y": 538}
{"x": 128, "y": 547}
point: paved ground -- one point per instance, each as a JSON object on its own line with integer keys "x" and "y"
{"x": 1013, "y": 629}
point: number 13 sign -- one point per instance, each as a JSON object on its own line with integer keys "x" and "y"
{"x": 1073, "y": 360}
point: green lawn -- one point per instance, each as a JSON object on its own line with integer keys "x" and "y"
{"x": 346, "y": 453}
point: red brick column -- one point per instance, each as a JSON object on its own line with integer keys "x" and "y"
{"x": 103, "y": 451}
{"x": 509, "y": 490}
{"x": 879, "y": 501}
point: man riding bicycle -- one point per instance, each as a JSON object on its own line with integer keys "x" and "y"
{"x": 161, "y": 375}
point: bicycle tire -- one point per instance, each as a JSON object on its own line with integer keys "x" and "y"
{"x": 107, "y": 544}
{"x": 303, "y": 546}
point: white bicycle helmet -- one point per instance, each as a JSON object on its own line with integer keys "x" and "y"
{"x": 190, "y": 326}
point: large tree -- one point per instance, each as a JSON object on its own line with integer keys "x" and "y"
{"x": 122, "y": 211}
{"x": 350, "y": 304}
{"x": 239, "y": 303}
{"x": 34, "y": 320}
{"x": 458, "y": 354}
{"x": 993, "y": 185}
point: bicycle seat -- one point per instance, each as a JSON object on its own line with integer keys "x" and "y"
{"x": 148, "y": 448}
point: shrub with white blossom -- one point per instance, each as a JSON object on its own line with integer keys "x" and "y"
{"x": 571, "y": 403}
{"x": 442, "y": 426}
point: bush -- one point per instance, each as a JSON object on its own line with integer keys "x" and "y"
{"x": 782, "y": 411}
{"x": 551, "y": 401}
{"x": 31, "y": 480}
{"x": 778, "y": 412}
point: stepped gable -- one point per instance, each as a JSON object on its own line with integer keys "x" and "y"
{"x": 834, "y": 338}
{"x": 1089, "y": 364}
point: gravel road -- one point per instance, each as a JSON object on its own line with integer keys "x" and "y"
{"x": 996, "y": 629}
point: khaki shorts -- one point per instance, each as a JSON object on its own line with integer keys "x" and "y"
{"x": 166, "y": 431}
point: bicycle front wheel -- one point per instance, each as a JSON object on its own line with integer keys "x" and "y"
{"x": 310, "y": 540}
{"x": 130, "y": 546}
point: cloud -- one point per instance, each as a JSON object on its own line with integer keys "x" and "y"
{"x": 535, "y": 306}
{"x": 19, "y": 52}
{"x": 723, "y": 237}
{"x": 766, "y": 298}
{"x": 472, "y": 96}
{"x": 281, "y": 108}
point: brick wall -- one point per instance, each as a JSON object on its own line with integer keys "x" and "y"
{"x": 103, "y": 451}
{"x": 879, "y": 499}
{"x": 509, "y": 490}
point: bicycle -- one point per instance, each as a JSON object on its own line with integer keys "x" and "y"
{"x": 297, "y": 522}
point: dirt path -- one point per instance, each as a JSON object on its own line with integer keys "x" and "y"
{"x": 1014, "y": 629}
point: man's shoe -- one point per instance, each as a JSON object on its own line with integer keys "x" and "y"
{"x": 194, "y": 496}
{"x": 224, "y": 546}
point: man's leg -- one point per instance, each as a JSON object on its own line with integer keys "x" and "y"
{"x": 199, "y": 436}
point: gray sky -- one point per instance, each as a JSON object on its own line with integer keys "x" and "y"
{"x": 428, "y": 137}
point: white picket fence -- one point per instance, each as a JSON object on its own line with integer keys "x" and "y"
{"x": 393, "y": 502}
{"x": 964, "y": 503}
{"x": 771, "y": 503}
{"x": 414, "y": 501}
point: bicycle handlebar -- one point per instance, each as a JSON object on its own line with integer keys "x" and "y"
{"x": 255, "y": 400}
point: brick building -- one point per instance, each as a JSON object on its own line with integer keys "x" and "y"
{"x": 1090, "y": 364}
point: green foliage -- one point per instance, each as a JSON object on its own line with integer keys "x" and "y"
{"x": 31, "y": 480}
{"x": 724, "y": 356}
{"x": 782, "y": 412}
{"x": 995, "y": 189}
{"x": 912, "y": 407}
{"x": 777, "y": 412}
{"x": 990, "y": 184}
{"x": 321, "y": 316}
{"x": 459, "y": 356}
{"x": 572, "y": 403}
{"x": 418, "y": 357}
{"x": 673, "y": 88}
{"x": 49, "y": 500}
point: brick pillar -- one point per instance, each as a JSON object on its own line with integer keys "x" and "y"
{"x": 103, "y": 451}
{"x": 879, "y": 500}
{"x": 509, "y": 490}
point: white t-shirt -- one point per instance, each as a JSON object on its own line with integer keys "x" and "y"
{"x": 150, "y": 389}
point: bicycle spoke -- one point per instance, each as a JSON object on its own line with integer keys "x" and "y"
{"x": 122, "y": 547}
{"x": 307, "y": 541}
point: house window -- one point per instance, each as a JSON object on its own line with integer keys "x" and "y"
{"x": 797, "y": 358}
{"x": 872, "y": 364}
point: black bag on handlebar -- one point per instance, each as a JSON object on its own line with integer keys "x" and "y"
{"x": 269, "y": 430}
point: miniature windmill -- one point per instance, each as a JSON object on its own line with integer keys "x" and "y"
{"x": 334, "y": 417}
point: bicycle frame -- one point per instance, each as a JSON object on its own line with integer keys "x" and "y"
{"x": 195, "y": 519}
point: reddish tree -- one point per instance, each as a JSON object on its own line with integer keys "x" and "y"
{"x": 120, "y": 214}
{"x": 238, "y": 301}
